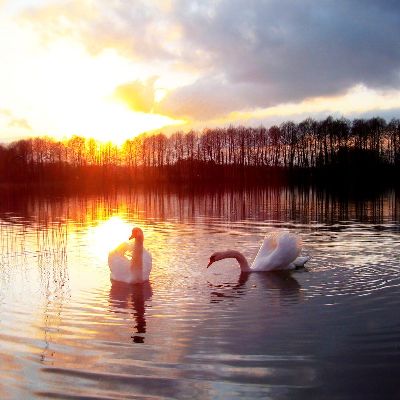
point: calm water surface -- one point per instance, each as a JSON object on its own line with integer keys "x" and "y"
{"x": 329, "y": 332}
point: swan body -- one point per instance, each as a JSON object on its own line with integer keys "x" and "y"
{"x": 130, "y": 262}
{"x": 279, "y": 251}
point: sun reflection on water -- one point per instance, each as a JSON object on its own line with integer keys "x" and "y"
{"x": 107, "y": 235}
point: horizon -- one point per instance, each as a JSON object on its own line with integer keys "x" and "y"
{"x": 198, "y": 132}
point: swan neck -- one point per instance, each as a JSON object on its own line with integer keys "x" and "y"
{"x": 137, "y": 256}
{"x": 241, "y": 259}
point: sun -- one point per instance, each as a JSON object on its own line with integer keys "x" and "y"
{"x": 107, "y": 235}
{"x": 105, "y": 120}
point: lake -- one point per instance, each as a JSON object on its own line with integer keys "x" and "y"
{"x": 330, "y": 331}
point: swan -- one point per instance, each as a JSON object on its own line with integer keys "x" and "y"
{"x": 279, "y": 251}
{"x": 130, "y": 262}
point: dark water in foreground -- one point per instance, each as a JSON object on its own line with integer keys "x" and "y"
{"x": 330, "y": 332}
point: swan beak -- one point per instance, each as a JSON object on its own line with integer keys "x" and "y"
{"x": 210, "y": 262}
{"x": 131, "y": 237}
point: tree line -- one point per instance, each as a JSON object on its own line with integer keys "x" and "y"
{"x": 310, "y": 148}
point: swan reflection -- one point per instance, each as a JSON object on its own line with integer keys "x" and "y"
{"x": 283, "y": 281}
{"x": 125, "y": 297}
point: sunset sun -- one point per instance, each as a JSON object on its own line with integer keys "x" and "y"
{"x": 104, "y": 119}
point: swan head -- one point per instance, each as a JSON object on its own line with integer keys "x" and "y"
{"x": 215, "y": 257}
{"x": 137, "y": 233}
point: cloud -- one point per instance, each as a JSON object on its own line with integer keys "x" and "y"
{"x": 14, "y": 122}
{"x": 133, "y": 29}
{"x": 283, "y": 51}
{"x": 247, "y": 54}
{"x": 137, "y": 95}
{"x": 206, "y": 98}
{"x": 20, "y": 123}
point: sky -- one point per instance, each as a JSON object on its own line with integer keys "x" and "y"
{"x": 111, "y": 69}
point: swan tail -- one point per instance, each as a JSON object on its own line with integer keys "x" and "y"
{"x": 289, "y": 246}
{"x": 299, "y": 262}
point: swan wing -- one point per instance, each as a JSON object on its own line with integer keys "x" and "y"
{"x": 267, "y": 247}
{"x": 147, "y": 264}
{"x": 119, "y": 262}
{"x": 278, "y": 251}
{"x": 119, "y": 266}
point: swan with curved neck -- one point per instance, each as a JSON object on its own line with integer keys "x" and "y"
{"x": 279, "y": 251}
{"x": 130, "y": 262}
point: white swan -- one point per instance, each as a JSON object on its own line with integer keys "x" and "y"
{"x": 280, "y": 250}
{"x": 130, "y": 262}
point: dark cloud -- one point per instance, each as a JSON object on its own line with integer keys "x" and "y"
{"x": 271, "y": 52}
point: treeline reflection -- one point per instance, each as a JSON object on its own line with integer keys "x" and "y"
{"x": 282, "y": 204}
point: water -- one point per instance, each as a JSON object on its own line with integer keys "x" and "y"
{"x": 331, "y": 331}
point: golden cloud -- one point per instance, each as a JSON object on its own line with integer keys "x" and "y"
{"x": 138, "y": 96}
